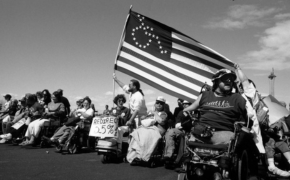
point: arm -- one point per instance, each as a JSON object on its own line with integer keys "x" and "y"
{"x": 118, "y": 81}
{"x": 88, "y": 114}
{"x": 194, "y": 105}
{"x": 240, "y": 74}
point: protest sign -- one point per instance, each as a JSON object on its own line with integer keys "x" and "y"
{"x": 104, "y": 126}
{"x": 19, "y": 124}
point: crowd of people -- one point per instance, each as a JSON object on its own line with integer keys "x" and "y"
{"x": 232, "y": 98}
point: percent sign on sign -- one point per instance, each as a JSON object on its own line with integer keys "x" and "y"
{"x": 104, "y": 126}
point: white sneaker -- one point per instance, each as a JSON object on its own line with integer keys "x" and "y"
{"x": 279, "y": 172}
{"x": 7, "y": 136}
{"x": 2, "y": 141}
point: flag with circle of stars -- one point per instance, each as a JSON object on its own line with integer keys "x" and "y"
{"x": 167, "y": 59}
{"x": 149, "y": 36}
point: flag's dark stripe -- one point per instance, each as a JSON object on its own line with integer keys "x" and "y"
{"x": 169, "y": 70}
{"x": 192, "y": 68}
{"x": 155, "y": 85}
{"x": 165, "y": 79}
{"x": 198, "y": 59}
{"x": 203, "y": 51}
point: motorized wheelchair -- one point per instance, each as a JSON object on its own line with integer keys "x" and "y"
{"x": 77, "y": 139}
{"x": 234, "y": 161}
{"x": 107, "y": 149}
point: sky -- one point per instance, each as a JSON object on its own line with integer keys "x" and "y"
{"x": 72, "y": 44}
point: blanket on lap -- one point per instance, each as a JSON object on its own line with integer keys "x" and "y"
{"x": 143, "y": 142}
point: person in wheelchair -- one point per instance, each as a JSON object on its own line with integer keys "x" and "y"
{"x": 29, "y": 111}
{"x": 79, "y": 106}
{"x": 54, "y": 110}
{"x": 271, "y": 140}
{"x": 123, "y": 115}
{"x": 183, "y": 125}
{"x": 219, "y": 108}
{"x": 83, "y": 114}
{"x": 144, "y": 139}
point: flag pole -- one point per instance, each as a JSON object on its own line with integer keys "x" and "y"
{"x": 118, "y": 50}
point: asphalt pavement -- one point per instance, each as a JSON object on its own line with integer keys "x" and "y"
{"x": 23, "y": 163}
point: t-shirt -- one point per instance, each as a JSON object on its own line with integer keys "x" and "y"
{"x": 123, "y": 113}
{"x": 183, "y": 121}
{"x": 136, "y": 102}
{"x": 36, "y": 110}
{"x": 89, "y": 112}
{"x": 66, "y": 103}
{"x": 221, "y": 113}
{"x": 176, "y": 111}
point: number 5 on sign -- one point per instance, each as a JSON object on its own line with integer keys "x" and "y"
{"x": 104, "y": 126}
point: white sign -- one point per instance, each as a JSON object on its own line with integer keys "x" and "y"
{"x": 104, "y": 126}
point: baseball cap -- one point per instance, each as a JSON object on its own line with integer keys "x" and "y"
{"x": 185, "y": 102}
{"x": 7, "y": 96}
{"x": 161, "y": 99}
{"x": 223, "y": 72}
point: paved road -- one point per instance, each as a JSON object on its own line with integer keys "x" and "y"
{"x": 34, "y": 163}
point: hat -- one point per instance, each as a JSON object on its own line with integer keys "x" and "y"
{"x": 223, "y": 72}
{"x": 185, "y": 102}
{"x": 22, "y": 99}
{"x": 59, "y": 90}
{"x": 161, "y": 98}
{"x": 7, "y": 96}
{"x": 80, "y": 101}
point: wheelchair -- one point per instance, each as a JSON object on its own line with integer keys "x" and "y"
{"x": 78, "y": 139}
{"x": 107, "y": 149}
{"x": 237, "y": 160}
{"x": 48, "y": 129}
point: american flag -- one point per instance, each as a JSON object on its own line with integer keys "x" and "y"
{"x": 167, "y": 59}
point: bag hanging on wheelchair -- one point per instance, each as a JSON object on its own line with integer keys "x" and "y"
{"x": 203, "y": 131}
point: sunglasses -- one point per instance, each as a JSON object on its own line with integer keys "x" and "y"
{"x": 159, "y": 102}
{"x": 227, "y": 78}
{"x": 121, "y": 100}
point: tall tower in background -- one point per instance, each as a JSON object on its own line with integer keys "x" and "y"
{"x": 272, "y": 77}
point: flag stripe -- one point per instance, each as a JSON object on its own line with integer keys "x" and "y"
{"x": 155, "y": 82}
{"x": 198, "y": 59}
{"x": 166, "y": 77}
{"x": 162, "y": 69}
{"x": 179, "y": 63}
{"x": 148, "y": 57}
{"x": 196, "y": 51}
{"x": 197, "y": 46}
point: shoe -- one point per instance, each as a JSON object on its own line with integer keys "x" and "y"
{"x": 2, "y": 141}
{"x": 279, "y": 172}
{"x": 119, "y": 153}
{"x": 23, "y": 143}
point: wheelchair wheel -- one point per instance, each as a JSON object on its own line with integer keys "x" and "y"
{"x": 182, "y": 176}
{"x": 72, "y": 148}
{"x": 43, "y": 144}
{"x": 91, "y": 143}
{"x": 243, "y": 167}
{"x": 104, "y": 158}
{"x": 152, "y": 163}
{"x": 58, "y": 149}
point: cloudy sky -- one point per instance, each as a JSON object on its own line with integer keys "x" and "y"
{"x": 72, "y": 44}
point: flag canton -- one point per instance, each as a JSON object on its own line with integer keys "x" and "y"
{"x": 149, "y": 36}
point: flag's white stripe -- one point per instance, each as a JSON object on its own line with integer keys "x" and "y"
{"x": 195, "y": 53}
{"x": 189, "y": 61}
{"x": 190, "y": 41}
{"x": 159, "y": 71}
{"x": 169, "y": 65}
{"x": 155, "y": 79}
